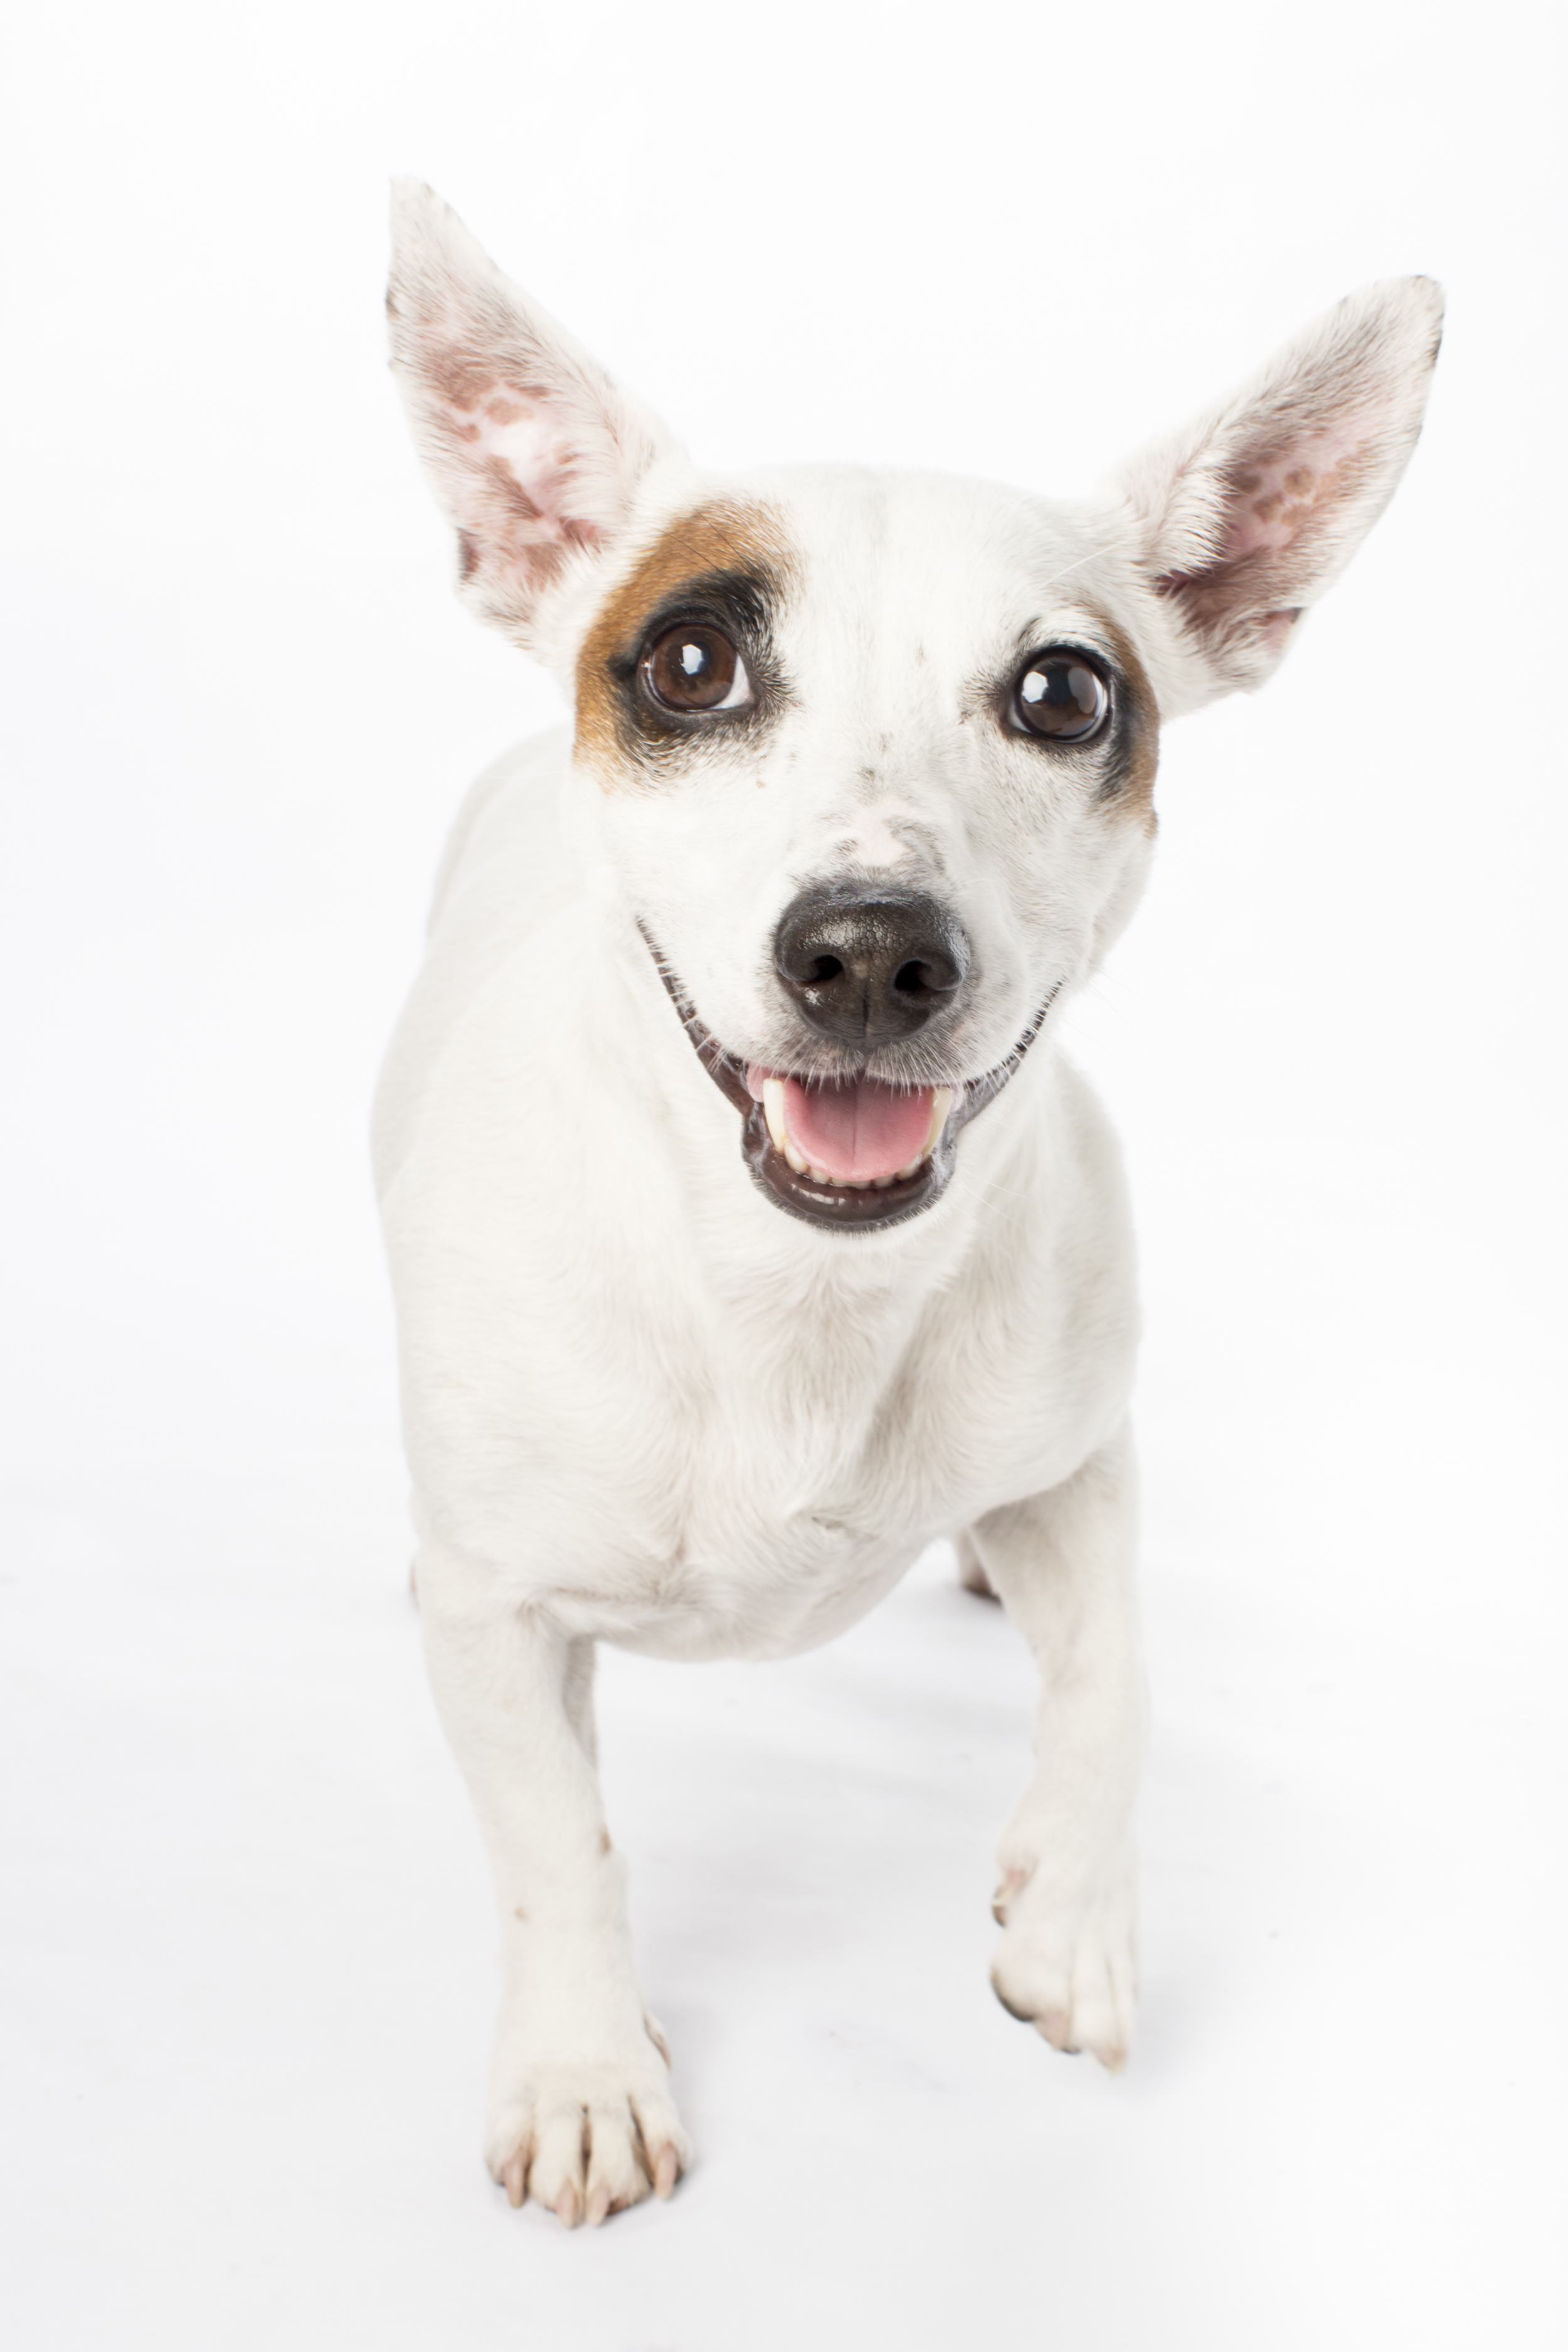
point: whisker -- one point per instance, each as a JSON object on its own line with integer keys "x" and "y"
{"x": 1067, "y": 570}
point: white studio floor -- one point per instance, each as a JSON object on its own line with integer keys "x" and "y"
{"x": 243, "y": 2073}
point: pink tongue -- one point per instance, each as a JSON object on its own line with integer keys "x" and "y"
{"x": 857, "y": 1130}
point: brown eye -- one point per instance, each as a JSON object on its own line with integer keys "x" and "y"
{"x": 694, "y": 666}
{"x": 1060, "y": 697}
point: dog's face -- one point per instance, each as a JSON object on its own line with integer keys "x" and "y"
{"x": 870, "y": 758}
{"x": 873, "y": 766}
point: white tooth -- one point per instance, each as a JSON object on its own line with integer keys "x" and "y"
{"x": 912, "y": 1170}
{"x": 774, "y": 1111}
{"x": 796, "y": 1158}
{"x": 819, "y": 1176}
{"x": 882, "y": 1182}
{"x": 940, "y": 1104}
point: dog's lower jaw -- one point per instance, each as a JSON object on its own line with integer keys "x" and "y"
{"x": 846, "y": 1207}
{"x": 843, "y": 1208}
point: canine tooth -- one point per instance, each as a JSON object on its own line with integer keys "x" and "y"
{"x": 774, "y": 1111}
{"x": 796, "y": 1158}
{"x": 940, "y": 1104}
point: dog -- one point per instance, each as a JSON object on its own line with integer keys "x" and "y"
{"x": 749, "y": 1229}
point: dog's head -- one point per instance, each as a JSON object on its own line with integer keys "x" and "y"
{"x": 870, "y": 757}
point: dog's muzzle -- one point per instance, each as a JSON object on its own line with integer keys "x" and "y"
{"x": 854, "y": 1153}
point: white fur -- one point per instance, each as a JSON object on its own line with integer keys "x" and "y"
{"x": 642, "y": 1403}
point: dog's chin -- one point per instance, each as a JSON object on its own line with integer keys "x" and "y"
{"x": 863, "y": 1204}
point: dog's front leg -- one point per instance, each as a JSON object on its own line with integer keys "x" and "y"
{"x": 579, "y": 2113}
{"x": 1062, "y": 1563}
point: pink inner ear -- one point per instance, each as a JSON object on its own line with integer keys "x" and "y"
{"x": 1275, "y": 498}
{"x": 517, "y": 455}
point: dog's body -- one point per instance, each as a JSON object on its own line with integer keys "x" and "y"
{"x": 768, "y": 1435}
{"x": 858, "y": 794}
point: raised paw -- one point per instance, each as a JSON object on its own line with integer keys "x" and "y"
{"x": 1067, "y": 1963}
{"x": 586, "y": 2140}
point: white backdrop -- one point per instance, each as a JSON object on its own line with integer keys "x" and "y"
{"x": 247, "y": 1941}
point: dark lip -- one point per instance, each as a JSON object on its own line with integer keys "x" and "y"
{"x": 841, "y": 1208}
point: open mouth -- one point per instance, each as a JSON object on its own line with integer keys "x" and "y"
{"x": 855, "y": 1152}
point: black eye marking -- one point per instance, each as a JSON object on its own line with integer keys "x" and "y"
{"x": 1061, "y": 696}
{"x": 702, "y": 661}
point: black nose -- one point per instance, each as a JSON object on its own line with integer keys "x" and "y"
{"x": 869, "y": 967}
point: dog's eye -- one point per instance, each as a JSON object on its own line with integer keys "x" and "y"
{"x": 1061, "y": 697}
{"x": 694, "y": 666}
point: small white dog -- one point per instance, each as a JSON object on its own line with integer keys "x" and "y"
{"x": 749, "y": 1229}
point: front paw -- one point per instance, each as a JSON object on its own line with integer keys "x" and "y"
{"x": 585, "y": 2138}
{"x": 1067, "y": 1962}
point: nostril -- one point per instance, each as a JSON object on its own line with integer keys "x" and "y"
{"x": 867, "y": 967}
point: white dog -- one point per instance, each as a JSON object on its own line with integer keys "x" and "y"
{"x": 749, "y": 1229}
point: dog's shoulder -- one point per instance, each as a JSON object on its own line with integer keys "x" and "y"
{"x": 506, "y": 862}
{"x": 506, "y": 871}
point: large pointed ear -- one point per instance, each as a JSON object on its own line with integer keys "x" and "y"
{"x": 1245, "y": 519}
{"x": 534, "y": 453}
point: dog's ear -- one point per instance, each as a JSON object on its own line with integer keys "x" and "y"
{"x": 534, "y": 453}
{"x": 1244, "y": 519}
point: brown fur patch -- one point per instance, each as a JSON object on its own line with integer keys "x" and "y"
{"x": 1143, "y": 740}
{"x": 726, "y": 536}
{"x": 460, "y": 379}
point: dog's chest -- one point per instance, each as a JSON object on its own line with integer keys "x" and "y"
{"x": 772, "y": 1535}
{"x": 753, "y": 1485}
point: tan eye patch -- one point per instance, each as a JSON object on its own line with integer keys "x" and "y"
{"x": 726, "y": 536}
